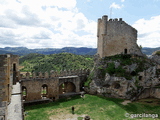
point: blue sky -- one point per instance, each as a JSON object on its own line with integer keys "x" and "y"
{"x": 73, "y": 23}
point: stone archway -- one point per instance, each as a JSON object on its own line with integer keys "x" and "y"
{"x": 67, "y": 87}
{"x": 44, "y": 91}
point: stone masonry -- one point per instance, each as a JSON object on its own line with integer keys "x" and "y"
{"x": 116, "y": 37}
{"x": 8, "y": 77}
{"x": 54, "y": 84}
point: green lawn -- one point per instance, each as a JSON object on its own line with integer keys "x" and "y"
{"x": 98, "y": 108}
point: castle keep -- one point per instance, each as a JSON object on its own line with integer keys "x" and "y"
{"x": 116, "y": 37}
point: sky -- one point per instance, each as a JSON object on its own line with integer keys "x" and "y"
{"x": 73, "y": 23}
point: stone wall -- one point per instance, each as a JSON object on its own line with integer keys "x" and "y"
{"x": 116, "y": 37}
{"x": 34, "y": 88}
{"x": 52, "y": 74}
{"x": 8, "y": 76}
{"x": 72, "y": 81}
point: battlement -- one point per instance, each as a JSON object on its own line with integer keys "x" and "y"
{"x": 53, "y": 74}
{"x": 105, "y": 18}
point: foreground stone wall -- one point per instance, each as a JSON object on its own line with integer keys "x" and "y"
{"x": 55, "y": 83}
{"x": 116, "y": 37}
{"x": 8, "y": 76}
{"x": 34, "y": 87}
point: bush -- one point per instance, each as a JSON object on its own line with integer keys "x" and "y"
{"x": 89, "y": 79}
{"x": 158, "y": 53}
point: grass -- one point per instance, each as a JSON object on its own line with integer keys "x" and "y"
{"x": 98, "y": 108}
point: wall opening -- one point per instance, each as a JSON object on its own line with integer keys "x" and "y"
{"x": 44, "y": 91}
{"x": 67, "y": 87}
{"x": 8, "y": 92}
{"x": 14, "y": 74}
{"x": 125, "y": 51}
{"x": 24, "y": 93}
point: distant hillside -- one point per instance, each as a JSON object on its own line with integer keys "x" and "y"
{"x": 62, "y": 61}
{"x": 47, "y": 51}
{"x": 149, "y": 51}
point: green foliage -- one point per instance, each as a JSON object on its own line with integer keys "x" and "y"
{"x": 89, "y": 79}
{"x": 98, "y": 108}
{"x": 158, "y": 53}
{"x": 63, "y": 61}
{"x": 110, "y": 68}
{"x": 124, "y": 60}
{"x": 140, "y": 47}
{"x": 120, "y": 71}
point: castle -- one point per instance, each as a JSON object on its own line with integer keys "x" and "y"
{"x": 116, "y": 37}
{"x": 120, "y": 69}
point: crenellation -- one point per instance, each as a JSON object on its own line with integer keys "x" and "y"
{"x": 120, "y": 19}
{"x": 116, "y": 19}
{"x": 110, "y": 19}
{"x": 40, "y": 75}
{"x": 54, "y": 74}
{"x": 46, "y": 75}
{"x": 34, "y": 75}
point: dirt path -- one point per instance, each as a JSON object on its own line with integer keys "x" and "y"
{"x": 63, "y": 116}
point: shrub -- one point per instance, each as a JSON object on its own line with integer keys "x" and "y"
{"x": 158, "y": 53}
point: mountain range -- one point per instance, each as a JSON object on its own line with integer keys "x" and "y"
{"x": 46, "y": 51}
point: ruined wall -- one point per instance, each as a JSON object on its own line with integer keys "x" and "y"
{"x": 8, "y": 75}
{"x": 116, "y": 37}
{"x": 6, "y": 80}
{"x": 71, "y": 83}
{"x": 53, "y": 80}
{"x": 34, "y": 87}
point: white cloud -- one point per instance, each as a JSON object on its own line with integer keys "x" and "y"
{"x": 116, "y": 6}
{"x": 44, "y": 24}
{"x": 122, "y": 0}
{"x": 148, "y": 31}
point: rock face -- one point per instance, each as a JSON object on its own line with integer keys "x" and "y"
{"x": 125, "y": 76}
{"x": 156, "y": 56}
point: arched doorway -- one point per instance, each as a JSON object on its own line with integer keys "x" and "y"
{"x": 67, "y": 87}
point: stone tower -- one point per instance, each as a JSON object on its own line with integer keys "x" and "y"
{"x": 9, "y": 73}
{"x": 116, "y": 37}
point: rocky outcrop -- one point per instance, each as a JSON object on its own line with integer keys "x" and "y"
{"x": 126, "y": 77}
{"x": 156, "y": 56}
